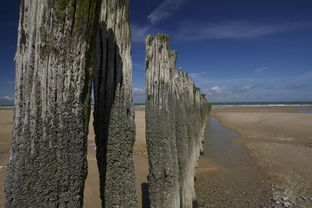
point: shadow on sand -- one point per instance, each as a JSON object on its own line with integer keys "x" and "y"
{"x": 145, "y": 196}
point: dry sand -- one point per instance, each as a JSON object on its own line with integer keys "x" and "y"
{"x": 6, "y": 124}
{"x": 92, "y": 197}
{"x": 140, "y": 159}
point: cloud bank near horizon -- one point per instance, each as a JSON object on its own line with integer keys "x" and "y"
{"x": 6, "y": 100}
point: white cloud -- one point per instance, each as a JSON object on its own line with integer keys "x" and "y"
{"x": 216, "y": 89}
{"x": 164, "y": 10}
{"x": 307, "y": 76}
{"x": 233, "y": 30}
{"x": 139, "y": 33}
{"x": 138, "y": 67}
{"x": 138, "y": 91}
{"x": 259, "y": 70}
{"x": 7, "y": 98}
{"x": 139, "y": 95}
{"x": 229, "y": 93}
{"x": 289, "y": 87}
{"x": 232, "y": 90}
{"x": 205, "y": 79}
{"x": 255, "y": 88}
{"x": 246, "y": 87}
{"x": 198, "y": 75}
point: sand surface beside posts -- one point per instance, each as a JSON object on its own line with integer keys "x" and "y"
{"x": 92, "y": 199}
{"x": 6, "y": 124}
{"x": 279, "y": 140}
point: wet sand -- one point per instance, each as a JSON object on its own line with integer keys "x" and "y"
{"x": 226, "y": 175}
{"x": 92, "y": 197}
{"x": 279, "y": 141}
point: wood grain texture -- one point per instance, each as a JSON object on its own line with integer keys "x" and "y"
{"x": 176, "y": 115}
{"x": 48, "y": 164}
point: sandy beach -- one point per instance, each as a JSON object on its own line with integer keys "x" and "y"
{"x": 275, "y": 145}
{"x": 6, "y": 124}
{"x": 279, "y": 141}
{"x": 92, "y": 198}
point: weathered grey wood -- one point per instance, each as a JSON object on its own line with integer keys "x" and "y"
{"x": 54, "y": 58}
{"x": 192, "y": 112}
{"x": 176, "y": 115}
{"x": 160, "y": 125}
{"x": 181, "y": 126}
{"x": 114, "y": 112}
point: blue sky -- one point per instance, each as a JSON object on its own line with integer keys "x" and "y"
{"x": 235, "y": 50}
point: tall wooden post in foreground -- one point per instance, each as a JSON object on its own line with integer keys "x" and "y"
{"x": 60, "y": 44}
{"x": 114, "y": 112}
{"x": 54, "y": 59}
{"x": 176, "y": 117}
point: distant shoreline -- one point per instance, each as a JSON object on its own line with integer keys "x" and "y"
{"x": 234, "y": 104}
{"x": 262, "y": 104}
{"x": 252, "y": 104}
{"x": 6, "y": 107}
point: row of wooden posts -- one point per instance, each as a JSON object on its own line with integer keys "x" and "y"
{"x": 64, "y": 48}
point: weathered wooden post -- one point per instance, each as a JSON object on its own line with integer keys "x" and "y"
{"x": 113, "y": 111}
{"x": 182, "y": 131}
{"x": 174, "y": 127}
{"x": 54, "y": 60}
{"x": 160, "y": 123}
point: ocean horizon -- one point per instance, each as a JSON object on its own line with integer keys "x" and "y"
{"x": 272, "y": 104}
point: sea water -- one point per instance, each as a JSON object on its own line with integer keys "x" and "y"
{"x": 263, "y": 104}
{"x": 305, "y": 111}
